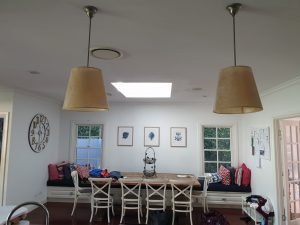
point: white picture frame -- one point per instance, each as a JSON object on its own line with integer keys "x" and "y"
{"x": 125, "y": 136}
{"x": 151, "y": 136}
{"x": 178, "y": 137}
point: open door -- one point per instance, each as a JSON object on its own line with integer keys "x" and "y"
{"x": 290, "y": 146}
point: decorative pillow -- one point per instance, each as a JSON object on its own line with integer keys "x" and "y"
{"x": 232, "y": 174}
{"x": 225, "y": 175}
{"x": 238, "y": 176}
{"x": 83, "y": 171}
{"x": 60, "y": 169}
{"x": 67, "y": 171}
{"x": 52, "y": 172}
{"x": 246, "y": 179}
{"x": 215, "y": 178}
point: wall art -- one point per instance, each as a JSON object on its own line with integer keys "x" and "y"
{"x": 178, "y": 136}
{"x": 151, "y": 136}
{"x": 125, "y": 136}
{"x": 260, "y": 142}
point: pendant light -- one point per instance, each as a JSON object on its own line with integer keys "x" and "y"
{"x": 236, "y": 92}
{"x": 86, "y": 91}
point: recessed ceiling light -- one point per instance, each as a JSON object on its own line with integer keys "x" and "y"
{"x": 106, "y": 53}
{"x": 34, "y": 72}
{"x": 144, "y": 90}
{"x": 197, "y": 89}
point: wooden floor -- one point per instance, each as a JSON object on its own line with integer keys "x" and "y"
{"x": 60, "y": 214}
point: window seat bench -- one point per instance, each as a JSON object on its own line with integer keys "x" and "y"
{"x": 222, "y": 195}
{"x": 217, "y": 194}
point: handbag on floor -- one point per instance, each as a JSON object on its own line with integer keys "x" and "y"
{"x": 213, "y": 218}
{"x": 160, "y": 218}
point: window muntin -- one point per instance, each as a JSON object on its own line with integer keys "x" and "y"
{"x": 217, "y": 143}
{"x": 88, "y": 148}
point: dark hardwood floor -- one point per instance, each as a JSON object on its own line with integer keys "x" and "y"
{"x": 60, "y": 214}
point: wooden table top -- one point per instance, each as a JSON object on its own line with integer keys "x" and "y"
{"x": 178, "y": 178}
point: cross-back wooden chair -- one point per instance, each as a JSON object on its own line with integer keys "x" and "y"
{"x": 182, "y": 197}
{"x": 79, "y": 191}
{"x": 155, "y": 195}
{"x": 101, "y": 197}
{"x": 131, "y": 196}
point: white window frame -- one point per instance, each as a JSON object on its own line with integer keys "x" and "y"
{"x": 73, "y": 140}
{"x": 234, "y": 143}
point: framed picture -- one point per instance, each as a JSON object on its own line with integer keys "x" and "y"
{"x": 178, "y": 137}
{"x": 151, "y": 136}
{"x": 125, "y": 136}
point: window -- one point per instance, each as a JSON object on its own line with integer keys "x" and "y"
{"x": 217, "y": 143}
{"x": 87, "y": 148}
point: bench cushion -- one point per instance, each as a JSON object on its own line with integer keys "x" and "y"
{"x": 228, "y": 188}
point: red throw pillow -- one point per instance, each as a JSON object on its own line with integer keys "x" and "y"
{"x": 83, "y": 172}
{"x": 60, "y": 169}
{"x": 225, "y": 175}
{"x": 246, "y": 179}
{"x": 52, "y": 172}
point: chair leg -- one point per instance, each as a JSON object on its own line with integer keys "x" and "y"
{"x": 122, "y": 212}
{"x": 191, "y": 216}
{"x": 139, "y": 217}
{"x": 147, "y": 213}
{"x": 108, "y": 216}
{"x": 206, "y": 205}
{"x": 173, "y": 217}
{"x": 112, "y": 208}
{"x": 74, "y": 205}
{"x": 92, "y": 211}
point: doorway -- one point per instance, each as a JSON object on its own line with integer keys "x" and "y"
{"x": 3, "y": 153}
{"x": 289, "y": 174}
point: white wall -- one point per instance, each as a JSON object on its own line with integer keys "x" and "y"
{"x": 27, "y": 170}
{"x": 282, "y": 101}
{"x": 140, "y": 115}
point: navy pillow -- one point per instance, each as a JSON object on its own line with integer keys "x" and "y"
{"x": 232, "y": 174}
{"x": 67, "y": 171}
{"x": 215, "y": 178}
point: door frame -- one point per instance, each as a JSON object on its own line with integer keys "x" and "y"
{"x": 278, "y": 165}
{"x": 3, "y": 159}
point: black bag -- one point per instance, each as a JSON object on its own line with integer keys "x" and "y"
{"x": 213, "y": 218}
{"x": 160, "y": 218}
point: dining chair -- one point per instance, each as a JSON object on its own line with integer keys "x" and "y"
{"x": 131, "y": 196}
{"x": 79, "y": 191}
{"x": 155, "y": 195}
{"x": 182, "y": 197}
{"x": 202, "y": 195}
{"x": 101, "y": 196}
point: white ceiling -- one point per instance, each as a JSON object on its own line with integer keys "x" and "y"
{"x": 184, "y": 42}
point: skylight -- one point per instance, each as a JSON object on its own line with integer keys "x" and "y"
{"x": 144, "y": 90}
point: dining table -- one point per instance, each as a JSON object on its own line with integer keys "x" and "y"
{"x": 180, "y": 179}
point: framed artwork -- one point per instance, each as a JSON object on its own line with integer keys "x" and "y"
{"x": 125, "y": 136}
{"x": 178, "y": 137}
{"x": 151, "y": 136}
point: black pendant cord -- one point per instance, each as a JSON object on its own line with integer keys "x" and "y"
{"x": 89, "y": 42}
{"x": 234, "y": 44}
